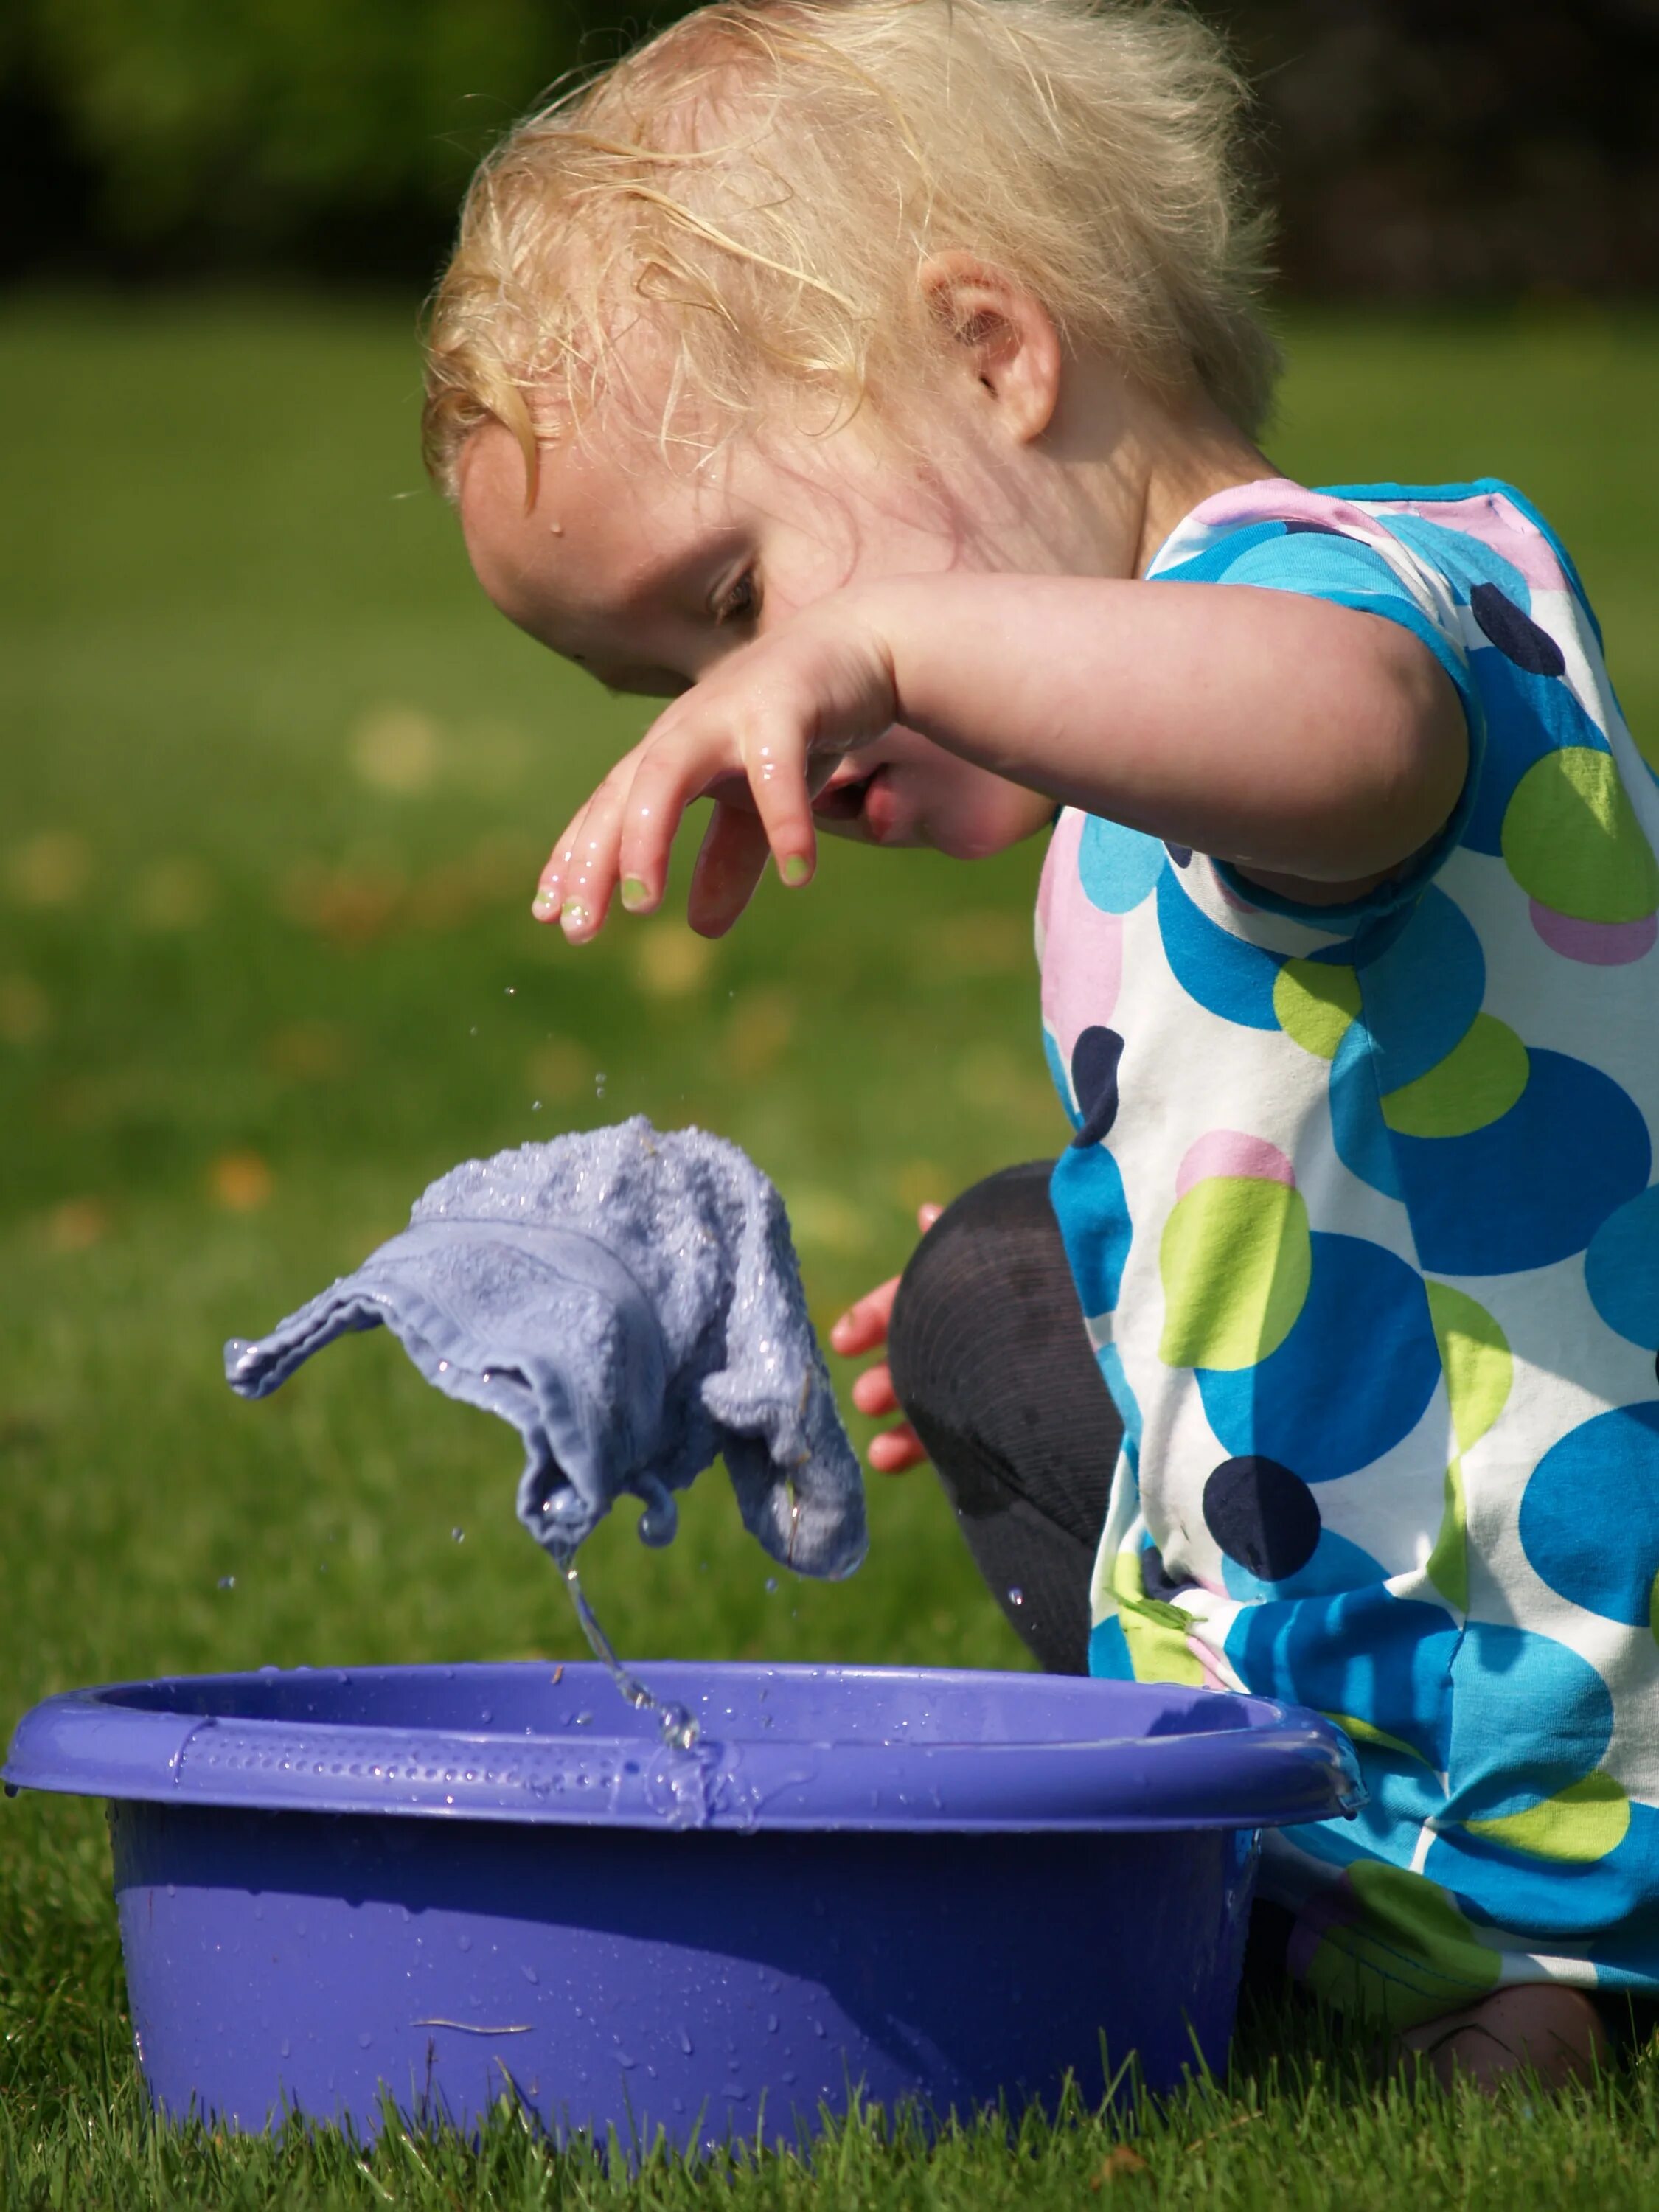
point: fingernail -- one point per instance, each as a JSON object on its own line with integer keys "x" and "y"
{"x": 634, "y": 893}
{"x": 574, "y": 915}
{"x": 545, "y": 904}
{"x": 794, "y": 871}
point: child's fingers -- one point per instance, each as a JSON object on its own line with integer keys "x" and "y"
{"x": 873, "y": 1393}
{"x": 731, "y": 861}
{"x": 927, "y": 1216}
{"x": 588, "y": 878}
{"x": 679, "y": 764}
{"x": 864, "y": 1324}
{"x": 896, "y": 1450}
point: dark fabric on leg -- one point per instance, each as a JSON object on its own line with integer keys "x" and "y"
{"x": 993, "y": 1366}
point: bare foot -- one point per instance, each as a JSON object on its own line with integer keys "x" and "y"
{"x": 1554, "y": 2032}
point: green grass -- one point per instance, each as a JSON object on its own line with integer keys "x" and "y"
{"x": 276, "y": 783}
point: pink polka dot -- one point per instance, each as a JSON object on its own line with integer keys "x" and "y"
{"x": 1595, "y": 944}
{"x": 1061, "y": 860}
{"x": 1230, "y": 1152}
{"x": 1082, "y": 953}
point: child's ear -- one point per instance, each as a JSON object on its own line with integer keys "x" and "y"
{"x": 1002, "y": 334}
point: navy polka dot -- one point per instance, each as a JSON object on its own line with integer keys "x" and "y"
{"x": 1155, "y": 1577}
{"x": 1094, "y": 1057}
{"x": 1516, "y": 636}
{"x": 1262, "y": 1516}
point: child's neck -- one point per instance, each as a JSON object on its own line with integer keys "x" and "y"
{"x": 1187, "y": 460}
{"x": 1142, "y": 460}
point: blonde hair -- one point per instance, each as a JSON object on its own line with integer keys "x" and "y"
{"x": 760, "y": 185}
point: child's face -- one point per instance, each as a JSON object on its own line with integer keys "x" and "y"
{"x": 648, "y": 572}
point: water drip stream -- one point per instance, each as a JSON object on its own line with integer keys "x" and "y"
{"x": 677, "y": 1728}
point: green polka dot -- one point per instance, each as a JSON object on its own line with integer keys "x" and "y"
{"x": 1580, "y": 1824}
{"x": 1572, "y": 841}
{"x": 1478, "y": 1082}
{"x": 1314, "y": 1003}
{"x": 1368, "y": 1732}
{"x": 1475, "y": 1359}
{"x": 1409, "y": 1956}
{"x": 1235, "y": 1258}
{"x": 1156, "y": 1633}
{"x": 1448, "y": 1565}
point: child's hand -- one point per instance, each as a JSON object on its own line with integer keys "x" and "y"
{"x": 863, "y": 1328}
{"x": 761, "y": 730}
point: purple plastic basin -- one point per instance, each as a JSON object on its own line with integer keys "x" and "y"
{"x": 454, "y": 1883}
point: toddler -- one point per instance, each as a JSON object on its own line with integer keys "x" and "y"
{"x": 878, "y": 380}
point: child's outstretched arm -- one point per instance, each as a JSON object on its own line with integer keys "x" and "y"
{"x": 1314, "y": 745}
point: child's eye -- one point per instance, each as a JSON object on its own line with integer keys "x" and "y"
{"x": 740, "y": 601}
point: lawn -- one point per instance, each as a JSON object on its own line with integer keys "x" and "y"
{"x": 277, "y": 782}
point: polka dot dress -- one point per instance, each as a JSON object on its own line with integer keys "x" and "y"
{"x": 1361, "y": 1210}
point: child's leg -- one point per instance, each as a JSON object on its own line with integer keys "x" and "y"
{"x": 993, "y": 1369}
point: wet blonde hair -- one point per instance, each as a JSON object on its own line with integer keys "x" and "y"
{"x": 759, "y": 185}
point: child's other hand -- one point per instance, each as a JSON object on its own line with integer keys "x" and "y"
{"x": 759, "y": 732}
{"x": 863, "y": 1328}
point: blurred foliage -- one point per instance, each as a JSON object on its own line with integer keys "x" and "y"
{"x": 338, "y": 134}
{"x": 1416, "y": 147}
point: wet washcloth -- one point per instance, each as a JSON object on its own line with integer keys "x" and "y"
{"x": 629, "y": 1300}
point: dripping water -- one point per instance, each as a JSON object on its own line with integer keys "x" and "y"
{"x": 678, "y": 1726}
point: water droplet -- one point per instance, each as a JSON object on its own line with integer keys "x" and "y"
{"x": 530, "y": 1974}
{"x": 458, "y": 1536}
{"x": 227, "y": 1581}
{"x": 599, "y": 1085}
{"x": 771, "y": 2023}
{"x": 364, "y": 2040}
{"x": 512, "y": 990}
{"x": 473, "y": 1032}
{"x": 1016, "y": 1595}
{"x": 535, "y": 1105}
{"x": 771, "y": 1585}
{"x": 686, "y": 2043}
{"x": 283, "y": 2048}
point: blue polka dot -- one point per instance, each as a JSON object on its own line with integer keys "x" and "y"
{"x": 1093, "y": 1212}
{"x": 1621, "y": 1270}
{"x": 1589, "y": 1514}
{"x": 1354, "y": 1375}
{"x": 1117, "y": 866}
{"x": 1108, "y": 1651}
{"x": 1109, "y": 1360}
{"x": 1533, "y": 1186}
{"x": 1418, "y": 999}
{"x": 1223, "y": 973}
{"x": 1365, "y": 1143}
{"x": 1499, "y": 1672}
{"x": 1382, "y": 1659}
{"x": 1335, "y": 1565}
{"x": 1550, "y": 1903}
